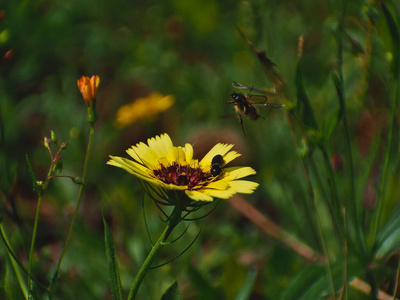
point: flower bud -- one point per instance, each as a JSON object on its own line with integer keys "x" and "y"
{"x": 77, "y": 180}
{"x": 53, "y": 137}
{"x": 88, "y": 88}
{"x": 64, "y": 146}
{"x": 46, "y": 142}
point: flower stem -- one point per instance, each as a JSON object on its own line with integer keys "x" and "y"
{"x": 78, "y": 203}
{"x": 174, "y": 220}
{"x": 33, "y": 244}
{"x": 147, "y": 263}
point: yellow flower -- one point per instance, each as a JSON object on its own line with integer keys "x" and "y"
{"x": 166, "y": 167}
{"x": 88, "y": 88}
{"x": 145, "y": 107}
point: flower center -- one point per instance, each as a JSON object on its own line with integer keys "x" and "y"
{"x": 182, "y": 175}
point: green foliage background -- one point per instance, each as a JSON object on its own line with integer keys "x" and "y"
{"x": 192, "y": 50}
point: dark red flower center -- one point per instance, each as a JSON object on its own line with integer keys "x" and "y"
{"x": 182, "y": 175}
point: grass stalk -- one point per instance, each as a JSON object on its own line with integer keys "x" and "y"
{"x": 33, "y": 245}
{"x": 174, "y": 220}
{"x": 78, "y": 203}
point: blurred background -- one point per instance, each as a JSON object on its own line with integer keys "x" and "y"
{"x": 186, "y": 53}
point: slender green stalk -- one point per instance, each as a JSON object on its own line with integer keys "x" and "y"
{"x": 353, "y": 208}
{"x": 78, "y": 203}
{"x": 385, "y": 168}
{"x": 174, "y": 220}
{"x": 17, "y": 266}
{"x": 325, "y": 249}
{"x": 147, "y": 263}
{"x": 33, "y": 244}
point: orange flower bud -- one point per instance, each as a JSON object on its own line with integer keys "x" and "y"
{"x": 88, "y": 88}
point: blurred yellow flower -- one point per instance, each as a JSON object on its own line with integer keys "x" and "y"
{"x": 142, "y": 108}
{"x": 88, "y": 88}
{"x": 166, "y": 168}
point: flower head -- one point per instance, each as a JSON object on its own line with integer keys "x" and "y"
{"x": 168, "y": 168}
{"x": 88, "y": 88}
{"x": 146, "y": 107}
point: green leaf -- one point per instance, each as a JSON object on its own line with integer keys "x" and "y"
{"x": 245, "y": 291}
{"x": 314, "y": 282}
{"x": 172, "y": 293}
{"x": 112, "y": 263}
{"x": 302, "y": 282}
{"x": 303, "y": 101}
{"x": 11, "y": 284}
{"x": 389, "y": 236}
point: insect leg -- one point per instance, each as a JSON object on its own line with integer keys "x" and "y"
{"x": 241, "y": 124}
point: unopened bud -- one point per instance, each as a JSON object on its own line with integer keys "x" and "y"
{"x": 53, "y": 137}
{"x": 77, "y": 180}
{"x": 46, "y": 143}
{"x": 64, "y": 146}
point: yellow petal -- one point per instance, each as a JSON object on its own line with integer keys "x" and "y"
{"x": 179, "y": 155}
{"x": 218, "y": 185}
{"x": 198, "y": 196}
{"x": 244, "y": 186}
{"x": 221, "y": 149}
{"x": 162, "y": 146}
{"x": 230, "y": 156}
{"x": 130, "y": 166}
{"x": 221, "y": 194}
{"x": 238, "y": 172}
{"x": 188, "y": 152}
{"x": 143, "y": 154}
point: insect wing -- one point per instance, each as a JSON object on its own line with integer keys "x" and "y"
{"x": 240, "y": 86}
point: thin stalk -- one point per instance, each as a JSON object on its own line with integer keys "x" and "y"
{"x": 17, "y": 266}
{"x": 325, "y": 249}
{"x": 174, "y": 220}
{"x": 353, "y": 211}
{"x": 385, "y": 170}
{"x": 147, "y": 263}
{"x": 33, "y": 244}
{"x": 78, "y": 203}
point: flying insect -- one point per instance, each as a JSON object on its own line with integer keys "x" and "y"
{"x": 244, "y": 105}
{"x": 216, "y": 165}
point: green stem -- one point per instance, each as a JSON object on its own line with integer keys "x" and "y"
{"x": 147, "y": 263}
{"x": 385, "y": 168}
{"x": 78, "y": 203}
{"x": 17, "y": 266}
{"x": 175, "y": 219}
{"x": 33, "y": 244}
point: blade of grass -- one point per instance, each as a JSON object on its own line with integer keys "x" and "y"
{"x": 395, "y": 103}
{"x": 80, "y": 193}
{"x": 15, "y": 264}
{"x": 112, "y": 262}
{"x": 172, "y": 293}
{"x": 272, "y": 229}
